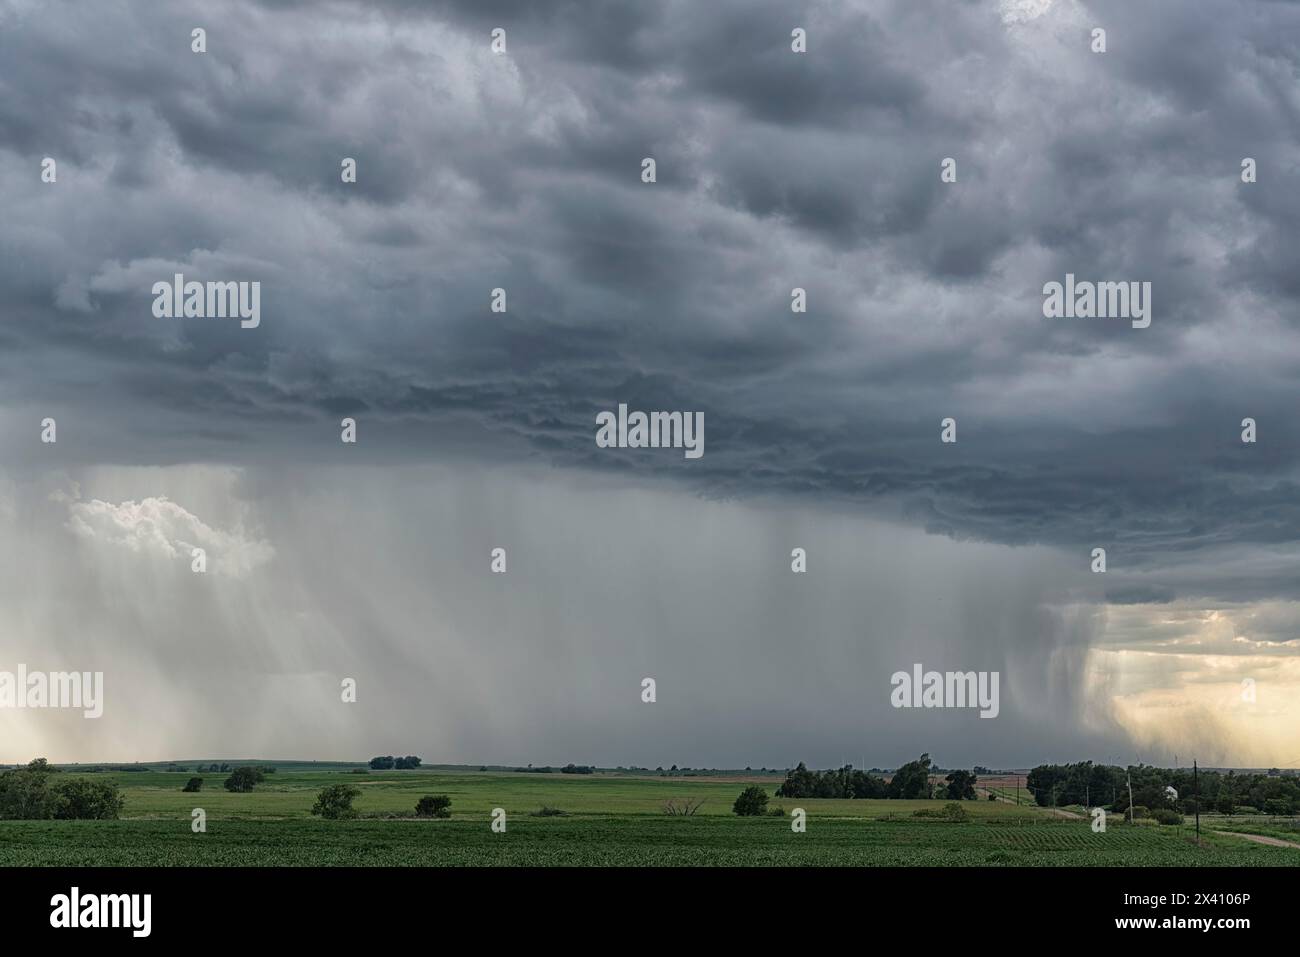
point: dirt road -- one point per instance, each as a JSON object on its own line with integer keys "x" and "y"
{"x": 1262, "y": 839}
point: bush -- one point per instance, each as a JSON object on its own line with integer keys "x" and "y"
{"x": 1164, "y": 815}
{"x": 192, "y": 785}
{"x": 1140, "y": 812}
{"x": 548, "y": 811}
{"x": 433, "y": 805}
{"x": 334, "y": 803}
{"x": 751, "y": 803}
{"x": 1279, "y": 807}
{"x": 951, "y": 812}
{"x": 80, "y": 799}
{"x": 1247, "y": 809}
{"x": 243, "y": 780}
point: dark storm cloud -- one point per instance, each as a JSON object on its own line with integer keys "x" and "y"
{"x": 775, "y": 170}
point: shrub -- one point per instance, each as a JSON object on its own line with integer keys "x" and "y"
{"x": 952, "y": 812}
{"x": 548, "y": 811}
{"x": 192, "y": 785}
{"x": 334, "y": 803}
{"x": 1164, "y": 815}
{"x": 751, "y": 803}
{"x": 433, "y": 805}
{"x": 1279, "y": 807}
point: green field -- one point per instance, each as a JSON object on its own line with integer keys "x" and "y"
{"x": 611, "y": 819}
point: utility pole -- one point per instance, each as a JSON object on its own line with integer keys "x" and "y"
{"x": 1196, "y": 796}
{"x": 1130, "y": 797}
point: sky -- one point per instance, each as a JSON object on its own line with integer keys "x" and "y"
{"x": 522, "y": 170}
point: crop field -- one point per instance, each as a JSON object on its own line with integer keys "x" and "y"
{"x": 608, "y": 819}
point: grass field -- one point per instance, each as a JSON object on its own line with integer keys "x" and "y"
{"x": 610, "y": 819}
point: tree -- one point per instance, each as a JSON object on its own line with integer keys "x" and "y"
{"x": 751, "y": 803}
{"x": 243, "y": 780}
{"x": 192, "y": 785}
{"x": 385, "y": 763}
{"x": 961, "y": 786}
{"x": 334, "y": 803}
{"x": 682, "y": 807}
{"x": 433, "y": 805}
{"x": 25, "y": 793}
{"x": 410, "y": 762}
{"x": 912, "y": 780}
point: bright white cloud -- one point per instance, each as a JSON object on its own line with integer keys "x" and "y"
{"x": 161, "y": 527}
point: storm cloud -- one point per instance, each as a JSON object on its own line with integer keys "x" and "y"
{"x": 776, "y": 170}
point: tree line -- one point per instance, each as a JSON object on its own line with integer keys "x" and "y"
{"x": 909, "y": 782}
{"x": 389, "y": 763}
{"x": 1107, "y": 785}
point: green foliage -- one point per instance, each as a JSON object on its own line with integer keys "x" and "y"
{"x": 81, "y": 799}
{"x": 25, "y": 793}
{"x": 389, "y": 763}
{"x": 242, "y": 780}
{"x": 912, "y": 780}
{"x": 192, "y": 785}
{"x": 1164, "y": 815}
{"x": 334, "y": 803}
{"x": 433, "y": 805}
{"x": 751, "y": 803}
{"x": 1103, "y": 784}
{"x": 961, "y": 785}
{"x": 953, "y": 813}
{"x": 838, "y": 783}
{"x": 30, "y": 794}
